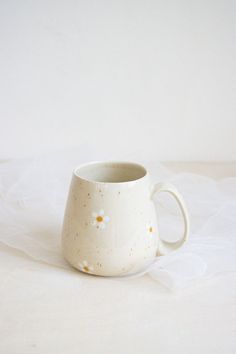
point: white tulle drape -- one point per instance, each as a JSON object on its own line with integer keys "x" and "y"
{"x": 33, "y": 194}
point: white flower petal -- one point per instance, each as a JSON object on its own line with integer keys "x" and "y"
{"x": 85, "y": 263}
{"x": 94, "y": 214}
{"x": 101, "y": 212}
{"x": 107, "y": 218}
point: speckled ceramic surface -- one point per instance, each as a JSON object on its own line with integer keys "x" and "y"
{"x": 110, "y": 224}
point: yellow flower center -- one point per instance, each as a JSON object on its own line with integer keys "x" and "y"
{"x": 99, "y": 218}
{"x": 86, "y": 269}
{"x": 151, "y": 229}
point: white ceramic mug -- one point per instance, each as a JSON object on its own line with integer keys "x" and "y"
{"x": 110, "y": 224}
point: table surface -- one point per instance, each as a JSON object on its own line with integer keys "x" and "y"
{"x": 49, "y": 310}
{"x": 215, "y": 170}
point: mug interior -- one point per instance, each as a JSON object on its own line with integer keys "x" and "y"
{"x": 111, "y": 172}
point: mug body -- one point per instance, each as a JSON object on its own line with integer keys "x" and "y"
{"x": 110, "y": 225}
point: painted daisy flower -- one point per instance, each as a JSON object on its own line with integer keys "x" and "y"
{"x": 85, "y": 267}
{"x": 150, "y": 228}
{"x": 100, "y": 220}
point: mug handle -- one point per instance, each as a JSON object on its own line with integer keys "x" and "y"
{"x": 165, "y": 246}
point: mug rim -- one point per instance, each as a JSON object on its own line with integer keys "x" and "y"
{"x": 110, "y": 162}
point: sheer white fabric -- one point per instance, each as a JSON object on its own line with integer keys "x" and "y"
{"x": 33, "y": 196}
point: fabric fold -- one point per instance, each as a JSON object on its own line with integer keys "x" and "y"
{"x": 33, "y": 194}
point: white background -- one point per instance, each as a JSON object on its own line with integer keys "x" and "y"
{"x": 152, "y": 77}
